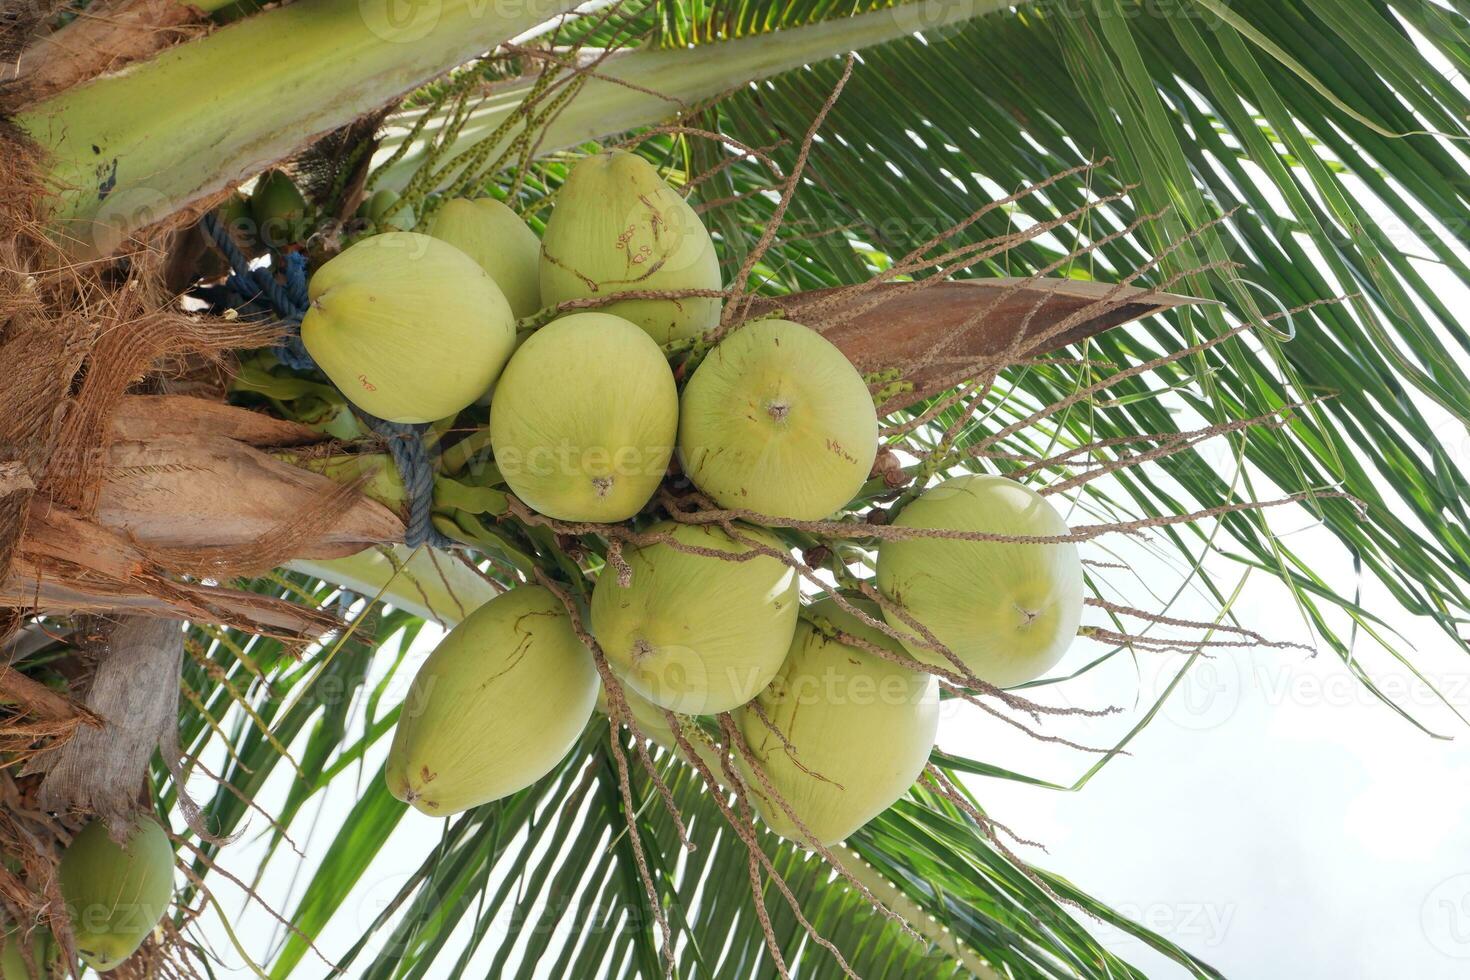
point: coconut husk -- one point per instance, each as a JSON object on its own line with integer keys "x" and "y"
{"x": 80, "y": 530}
{"x": 955, "y": 330}
{"x": 102, "y": 38}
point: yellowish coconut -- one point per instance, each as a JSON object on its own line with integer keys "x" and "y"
{"x": 496, "y": 706}
{"x": 618, "y": 227}
{"x": 697, "y": 633}
{"x": 777, "y": 420}
{"x": 410, "y": 328}
{"x": 116, "y": 893}
{"x": 583, "y": 419}
{"x": 649, "y": 717}
{"x": 860, "y": 728}
{"x": 496, "y": 237}
{"x": 375, "y": 209}
{"x": 1007, "y": 610}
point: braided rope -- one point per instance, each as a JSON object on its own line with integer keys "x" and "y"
{"x": 289, "y": 301}
{"x": 416, "y": 468}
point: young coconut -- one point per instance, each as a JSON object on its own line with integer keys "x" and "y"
{"x": 649, "y": 717}
{"x": 375, "y": 210}
{"x": 1008, "y": 610}
{"x": 583, "y": 419}
{"x": 495, "y": 707}
{"x": 618, "y": 227}
{"x": 236, "y": 218}
{"x": 279, "y": 209}
{"x": 13, "y": 965}
{"x": 496, "y": 237}
{"x": 860, "y": 728}
{"x": 408, "y": 327}
{"x": 697, "y": 633}
{"x": 116, "y": 894}
{"x": 777, "y": 420}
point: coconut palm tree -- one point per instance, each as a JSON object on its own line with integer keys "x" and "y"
{"x": 1274, "y": 177}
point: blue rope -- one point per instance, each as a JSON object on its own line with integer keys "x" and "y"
{"x": 290, "y": 303}
{"x": 416, "y": 468}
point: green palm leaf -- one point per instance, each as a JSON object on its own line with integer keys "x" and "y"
{"x": 1314, "y": 117}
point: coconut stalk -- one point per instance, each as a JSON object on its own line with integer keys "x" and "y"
{"x": 124, "y": 151}
{"x": 124, "y": 154}
{"x": 428, "y": 583}
{"x": 641, "y": 87}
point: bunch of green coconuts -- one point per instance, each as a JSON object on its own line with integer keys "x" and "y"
{"x": 586, "y": 418}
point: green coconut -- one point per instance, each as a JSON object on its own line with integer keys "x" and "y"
{"x": 649, "y": 717}
{"x": 860, "y": 728}
{"x": 496, "y": 706}
{"x": 1007, "y": 610}
{"x": 279, "y": 209}
{"x": 617, "y": 227}
{"x": 235, "y": 215}
{"x": 12, "y": 956}
{"x": 776, "y": 420}
{"x": 410, "y": 328}
{"x": 697, "y": 633}
{"x": 654, "y": 726}
{"x": 496, "y": 237}
{"x": 116, "y": 893}
{"x": 375, "y": 210}
{"x": 584, "y": 417}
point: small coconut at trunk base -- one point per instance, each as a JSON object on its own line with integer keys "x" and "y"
{"x": 697, "y": 633}
{"x": 1008, "y": 610}
{"x": 496, "y": 706}
{"x": 777, "y": 421}
{"x": 618, "y": 227}
{"x": 584, "y": 417}
{"x": 116, "y": 893}
{"x": 13, "y": 964}
{"x": 408, "y": 327}
{"x": 860, "y": 728}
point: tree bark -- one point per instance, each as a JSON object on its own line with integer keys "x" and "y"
{"x": 135, "y": 692}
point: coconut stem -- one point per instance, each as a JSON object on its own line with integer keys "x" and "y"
{"x": 643, "y": 87}
{"x": 125, "y": 153}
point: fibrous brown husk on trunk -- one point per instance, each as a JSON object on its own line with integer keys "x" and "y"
{"x": 77, "y": 340}
{"x": 104, "y": 37}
